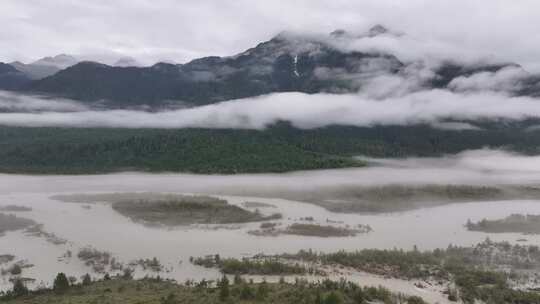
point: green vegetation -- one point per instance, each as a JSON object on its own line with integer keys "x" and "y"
{"x": 391, "y": 198}
{"x": 188, "y": 210}
{"x": 155, "y": 291}
{"x": 249, "y": 266}
{"x": 319, "y": 230}
{"x": 234, "y": 266}
{"x": 93, "y": 257}
{"x": 171, "y": 209}
{"x": 253, "y": 266}
{"x": 516, "y": 223}
{"x": 439, "y": 262}
{"x": 395, "y": 263}
{"x": 78, "y": 151}
{"x": 19, "y": 289}
{"x": 479, "y": 272}
{"x": 82, "y": 198}
{"x": 471, "y": 274}
{"x": 256, "y": 205}
{"x": 279, "y": 148}
{"x": 61, "y": 284}
{"x": 99, "y": 261}
{"x": 270, "y": 229}
{"x": 149, "y": 264}
{"x": 352, "y": 199}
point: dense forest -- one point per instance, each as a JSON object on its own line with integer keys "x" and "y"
{"x": 279, "y": 148}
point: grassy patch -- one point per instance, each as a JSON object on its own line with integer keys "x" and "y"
{"x": 393, "y": 198}
{"x": 515, "y": 223}
{"x": 250, "y": 266}
{"x": 171, "y": 209}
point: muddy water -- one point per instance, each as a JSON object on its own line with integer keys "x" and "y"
{"x": 104, "y": 229}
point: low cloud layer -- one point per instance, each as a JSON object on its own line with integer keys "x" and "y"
{"x": 11, "y": 102}
{"x": 480, "y": 167}
{"x": 302, "y": 110}
{"x": 506, "y": 79}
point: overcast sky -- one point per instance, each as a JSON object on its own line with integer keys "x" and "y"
{"x": 179, "y": 30}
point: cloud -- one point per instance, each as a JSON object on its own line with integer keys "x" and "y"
{"x": 506, "y": 79}
{"x": 454, "y": 126}
{"x": 179, "y": 31}
{"x": 303, "y": 111}
{"x": 11, "y": 102}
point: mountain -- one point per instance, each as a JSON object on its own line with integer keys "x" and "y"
{"x": 45, "y": 67}
{"x": 35, "y": 71}
{"x": 126, "y": 62}
{"x": 285, "y": 63}
{"x": 61, "y": 61}
{"x": 11, "y": 78}
{"x": 279, "y": 65}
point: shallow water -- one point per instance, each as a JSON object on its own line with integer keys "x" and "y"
{"x": 104, "y": 229}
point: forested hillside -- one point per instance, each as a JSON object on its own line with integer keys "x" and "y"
{"x": 279, "y": 148}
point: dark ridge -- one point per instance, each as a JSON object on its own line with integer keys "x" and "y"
{"x": 11, "y": 78}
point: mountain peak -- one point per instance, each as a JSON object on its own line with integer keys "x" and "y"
{"x": 377, "y": 30}
{"x": 60, "y": 61}
{"x": 126, "y": 62}
{"x": 165, "y": 67}
{"x": 338, "y": 33}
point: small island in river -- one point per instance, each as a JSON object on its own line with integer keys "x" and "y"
{"x": 514, "y": 223}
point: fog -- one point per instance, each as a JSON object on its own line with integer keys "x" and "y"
{"x": 415, "y": 202}
{"x": 477, "y": 167}
{"x": 506, "y": 79}
{"x": 302, "y": 110}
{"x": 291, "y": 194}
{"x": 381, "y": 98}
{"x": 27, "y": 103}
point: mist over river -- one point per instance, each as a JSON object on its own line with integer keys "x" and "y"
{"x": 99, "y": 226}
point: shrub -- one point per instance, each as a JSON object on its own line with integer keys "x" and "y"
{"x": 333, "y": 298}
{"x": 246, "y": 292}
{"x": 415, "y": 300}
{"x": 224, "y": 288}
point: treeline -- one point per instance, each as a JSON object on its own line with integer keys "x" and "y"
{"x": 125, "y": 290}
{"x": 279, "y": 148}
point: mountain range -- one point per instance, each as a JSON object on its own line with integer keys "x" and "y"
{"x": 45, "y": 67}
{"x": 284, "y": 63}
